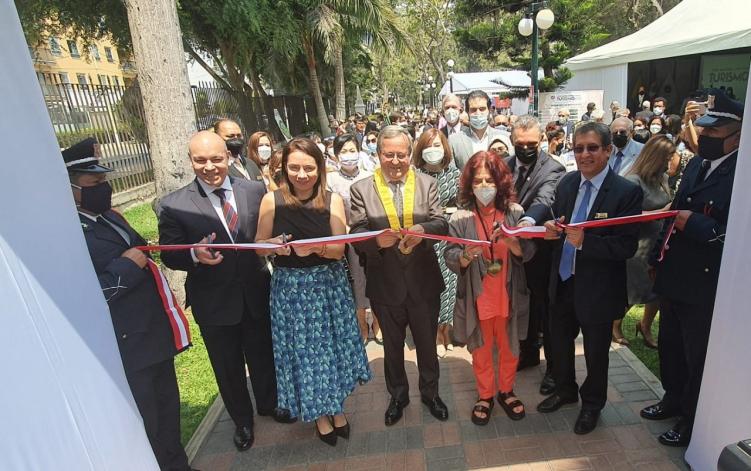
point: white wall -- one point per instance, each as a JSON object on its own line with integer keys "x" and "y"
{"x": 723, "y": 415}
{"x": 64, "y": 400}
{"x": 612, "y": 80}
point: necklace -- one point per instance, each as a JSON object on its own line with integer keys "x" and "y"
{"x": 493, "y": 265}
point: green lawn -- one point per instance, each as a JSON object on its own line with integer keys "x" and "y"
{"x": 648, "y": 356}
{"x": 194, "y": 375}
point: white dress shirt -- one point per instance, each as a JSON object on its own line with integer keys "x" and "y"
{"x": 713, "y": 164}
{"x": 479, "y": 144}
{"x": 229, "y": 195}
{"x": 596, "y": 182}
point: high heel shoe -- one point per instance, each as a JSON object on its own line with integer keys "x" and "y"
{"x": 342, "y": 431}
{"x": 648, "y": 342}
{"x": 327, "y": 438}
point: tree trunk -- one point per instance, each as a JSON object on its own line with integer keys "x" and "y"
{"x": 341, "y": 103}
{"x": 167, "y": 98}
{"x": 315, "y": 89}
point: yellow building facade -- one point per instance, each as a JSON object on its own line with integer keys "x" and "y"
{"x": 67, "y": 60}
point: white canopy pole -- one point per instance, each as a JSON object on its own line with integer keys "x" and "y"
{"x": 65, "y": 401}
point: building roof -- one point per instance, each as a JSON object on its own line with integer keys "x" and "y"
{"x": 691, "y": 27}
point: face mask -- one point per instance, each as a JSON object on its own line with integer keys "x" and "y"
{"x": 562, "y": 120}
{"x": 638, "y": 127}
{"x": 96, "y": 199}
{"x": 659, "y": 110}
{"x": 478, "y": 121}
{"x": 525, "y": 156}
{"x": 485, "y": 194}
{"x": 620, "y": 140}
{"x": 349, "y": 161}
{"x": 433, "y": 155}
{"x": 712, "y": 148}
{"x": 372, "y": 146}
{"x": 264, "y": 153}
{"x": 502, "y": 127}
{"x": 451, "y": 115}
{"x": 235, "y": 146}
{"x": 544, "y": 146}
{"x": 655, "y": 128}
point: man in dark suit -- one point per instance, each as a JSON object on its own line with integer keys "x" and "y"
{"x": 452, "y": 107}
{"x": 688, "y": 272}
{"x": 228, "y": 291}
{"x": 535, "y": 175}
{"x": 588, "y": 279}
{"x": 404, "y": 281}
{"x": 142, "y": 325}
{"x": 239, "y": 166}
{"x": 638, "y": 100}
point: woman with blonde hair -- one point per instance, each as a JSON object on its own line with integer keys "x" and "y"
{"x": 649, "y": 172}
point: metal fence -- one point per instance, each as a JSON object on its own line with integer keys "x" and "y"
{"x": 111, "y": 114}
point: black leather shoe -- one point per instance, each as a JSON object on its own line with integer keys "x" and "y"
{"x": 586, "y": 422}
{"x": 679, "y": 435}
{"x": 243, "y": 438}
{"x": 283, "y": 416}
{"x": 658, "y": 412}
{"x": 342, "y": 431}
{"x": 437, "y": 408}
{"x": 528, "y": 361}
{"x": 394, "y": 411}
{"x": 327, "y": 438}
{"x": 555, "y": 402}
{"x": 547, "y": 387}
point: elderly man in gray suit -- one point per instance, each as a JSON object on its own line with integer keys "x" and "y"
{"x": 625, "y": 149}
{"x": 479, "y": 135}
{"x": 403, "y": 278}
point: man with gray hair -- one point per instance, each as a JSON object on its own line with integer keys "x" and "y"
{"x": 403, "y": 278}
{"x": 536, "y": 176}
{"x": 452, "y": 108}
{"x": 625, "y": 150}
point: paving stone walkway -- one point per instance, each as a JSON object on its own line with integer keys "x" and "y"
{"x": 622, "y": 441}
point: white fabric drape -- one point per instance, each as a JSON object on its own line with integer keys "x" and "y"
{"x": 65, "y": 403}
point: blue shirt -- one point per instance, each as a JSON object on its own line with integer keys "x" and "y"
{"x": 630, "y": 153}
{"x": 596, "y": 182}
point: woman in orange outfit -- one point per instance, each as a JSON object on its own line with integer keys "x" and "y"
{"x": 492, "y": 301}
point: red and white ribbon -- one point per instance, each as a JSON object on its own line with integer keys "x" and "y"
{"x": 175, "y": 315}
{"x": 531, "y": 232}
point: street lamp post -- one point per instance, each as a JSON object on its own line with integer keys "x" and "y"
{"x": 450, "y": 63}
{"x": 543, "y": 19}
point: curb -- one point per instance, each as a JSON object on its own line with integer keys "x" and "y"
{"x": 652, "y": 381}
{"x": 205, "y": 428}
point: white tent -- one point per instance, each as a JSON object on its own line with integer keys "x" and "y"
{"x": 691, "y": 27}
{"x": 501, "y": 81}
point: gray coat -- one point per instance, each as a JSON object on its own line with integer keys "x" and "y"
{"x": 469, "y": 283}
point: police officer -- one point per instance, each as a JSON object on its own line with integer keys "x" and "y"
{"x": 687, "y": 275}
{"x": 143, "y": 330}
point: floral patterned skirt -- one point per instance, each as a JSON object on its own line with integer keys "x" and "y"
{"x": 318, "y": 352}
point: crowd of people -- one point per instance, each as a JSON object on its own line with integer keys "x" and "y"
{"x": 298, "y": 316}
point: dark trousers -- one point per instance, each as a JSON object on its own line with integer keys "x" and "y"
{"x": 422, "y": 319}
{"x": 230, "y": 348}
{"x": 158, "y": 399}
{"x": 565, "y": 327}
{"x": 537, "y": 272}
{"x": 682, "y": 345}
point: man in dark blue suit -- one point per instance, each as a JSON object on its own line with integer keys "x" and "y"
{"x": 142, "y": 326}
{"x": 228, "y": 290}
{"x": 688, "y": 272}
{"x": 588, "y": 276}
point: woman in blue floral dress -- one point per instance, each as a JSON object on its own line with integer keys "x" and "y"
{"x": 318, "y": 353}
{"x": 432, "y": 155}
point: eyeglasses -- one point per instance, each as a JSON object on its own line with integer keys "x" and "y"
{"x": 396, "y": 155}
{"x": 592, "y": 148}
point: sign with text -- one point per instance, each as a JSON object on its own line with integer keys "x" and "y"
{"x": 573, "y": 101}
{"x": 726, "y": 71}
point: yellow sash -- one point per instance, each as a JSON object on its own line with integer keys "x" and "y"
{"x": 388, "y": 203}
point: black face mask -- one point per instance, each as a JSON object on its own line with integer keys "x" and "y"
{"x": 526, "y": 155}
{"x": 235, "y": 146}
{"x": 620, "y": 140}
{"x": 712, "y": 148}
{"x": 96, "y": 199}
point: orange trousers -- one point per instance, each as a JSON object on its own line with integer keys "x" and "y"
{"x": 494, "y": 332}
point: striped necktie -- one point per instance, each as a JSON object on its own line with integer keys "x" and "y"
{"x": 230, "y": 215}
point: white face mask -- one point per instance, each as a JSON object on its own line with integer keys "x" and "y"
{"x": 562, "y": 120}
{"x": 349, "y": 159}
{"x": 659, "y": 110}
{"x": 485, "y": 194}
{"x": 544, "y": 146}
{"x": 264, "y": 153}
{"x": 655, "y": 128}
{"x": 433, "y": 155}
{"x": 451, "y": 115}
